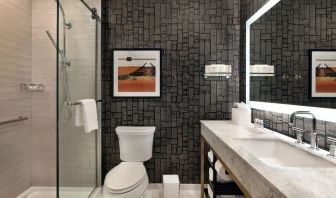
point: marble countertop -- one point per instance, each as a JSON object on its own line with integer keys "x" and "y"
{"x": 261, "y": 180}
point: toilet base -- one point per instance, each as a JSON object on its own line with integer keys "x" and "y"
{"x": 135, "y": 193}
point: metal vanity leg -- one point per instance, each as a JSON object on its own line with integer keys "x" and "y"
{"x": 202, "y": 167}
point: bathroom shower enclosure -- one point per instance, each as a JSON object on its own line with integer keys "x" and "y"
{"x": 78, "y": 77}
{"x": 49, "y": 60}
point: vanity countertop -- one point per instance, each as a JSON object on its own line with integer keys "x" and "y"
{"x": 259, "y": 179}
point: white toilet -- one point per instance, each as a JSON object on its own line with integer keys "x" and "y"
{"x": 129, "y": 179}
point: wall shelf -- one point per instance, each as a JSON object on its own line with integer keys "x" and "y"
{"x": 32, "y": 87}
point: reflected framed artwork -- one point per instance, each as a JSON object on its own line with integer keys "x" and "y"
{"x": 322, "y": 75}
{"x": 137, "y": 72}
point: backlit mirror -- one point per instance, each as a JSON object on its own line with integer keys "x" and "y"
{"x": 297, "y": 38}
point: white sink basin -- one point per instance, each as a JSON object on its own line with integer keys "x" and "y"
{"x": 277, "y": 153}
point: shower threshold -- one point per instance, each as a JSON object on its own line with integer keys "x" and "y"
{"x": 50, "y": 192}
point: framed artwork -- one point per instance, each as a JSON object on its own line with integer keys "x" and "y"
{"x": 137, "y": 72}
{"x": 322, "y": 75}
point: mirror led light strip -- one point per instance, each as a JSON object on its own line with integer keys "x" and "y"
{"x": 251, "y": 20}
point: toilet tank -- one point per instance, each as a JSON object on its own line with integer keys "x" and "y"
{"x": 135, "y": 143}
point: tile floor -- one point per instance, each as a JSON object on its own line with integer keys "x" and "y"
{"x": 152, "y": 192}
{"x": 158, "y": 193}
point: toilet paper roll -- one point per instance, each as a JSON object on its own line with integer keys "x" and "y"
{"x": 219, "y": 178}
{"x": 211, "y": 156}
{"x": 222, "y": 173}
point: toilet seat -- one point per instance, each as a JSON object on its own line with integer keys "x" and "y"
{"x": 135, "y": 193}
{"x": 125, "y": 177}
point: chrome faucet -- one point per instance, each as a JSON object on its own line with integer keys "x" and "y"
{"x": 313, "y": 134}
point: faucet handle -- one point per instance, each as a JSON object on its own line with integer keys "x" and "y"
{"x": 258, "y": 123}
{"x": 299, "y": 134}
{"x": 314, "y": 138}
{"x": 332, "y": 148}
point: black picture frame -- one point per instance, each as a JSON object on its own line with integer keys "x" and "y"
{"x": 313, "y": 95}
{"x": 135, "y": 95}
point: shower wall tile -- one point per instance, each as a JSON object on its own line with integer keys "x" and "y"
{"x": 43, "y": 103}
{"x": 15, "y": 68}
{"x": 192, "y": 34}
{"x": 44, "y": 137}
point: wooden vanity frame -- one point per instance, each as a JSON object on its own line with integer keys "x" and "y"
{"x": 234, "y": 178}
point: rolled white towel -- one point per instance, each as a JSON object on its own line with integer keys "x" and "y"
{"x": 210, "y": 174}
{"x": 221, "y": 172}
{"x": 211, "y": 156}
{"x": 210, "y": 193}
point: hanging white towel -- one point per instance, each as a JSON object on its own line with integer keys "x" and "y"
{"x": 79, "y": 116}
{"x": 86, "y": 115}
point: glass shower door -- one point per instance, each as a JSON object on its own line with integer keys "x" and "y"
{"x": 77, "y": 79}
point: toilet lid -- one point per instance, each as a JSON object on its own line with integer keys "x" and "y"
{"x": 124, "y": 176}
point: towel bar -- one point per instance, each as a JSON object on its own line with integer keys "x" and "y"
{"x": 14, "y": 120}
{"x": 77, "y": 103}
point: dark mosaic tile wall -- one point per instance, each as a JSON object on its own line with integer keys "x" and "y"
{"x": 192, "y": 33}
{"x": 280, "y": 123}
{"x": 282, "y": 37}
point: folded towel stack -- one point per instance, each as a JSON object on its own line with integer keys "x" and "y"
{"x": 262, "y": 70}
{"x": 217, "y": 68}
